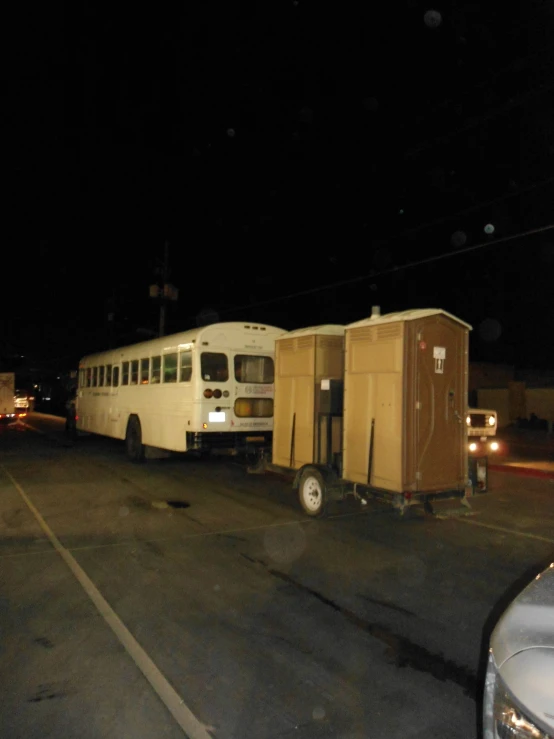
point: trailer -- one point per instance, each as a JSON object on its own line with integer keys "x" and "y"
{"x": 7, "y": 393}
{"x": 375, "y": 409}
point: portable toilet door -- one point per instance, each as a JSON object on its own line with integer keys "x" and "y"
{"x": 438, "y": 344}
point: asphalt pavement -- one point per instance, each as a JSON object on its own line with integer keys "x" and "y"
{"x": 144, "y": 601}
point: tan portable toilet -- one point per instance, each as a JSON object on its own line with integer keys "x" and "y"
{"x": 405, "y": 400}
{"x": 303, "y": 359}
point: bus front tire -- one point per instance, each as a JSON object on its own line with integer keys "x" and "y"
{"x": 133, "y": 441}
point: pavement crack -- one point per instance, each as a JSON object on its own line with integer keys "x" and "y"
{"x": 46, "y": 693}
{"x": 400, "y": 651}
{"x": 253, "y": 559}
{"x": 385, "y": 604}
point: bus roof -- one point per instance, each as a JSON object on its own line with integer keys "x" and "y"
{"x": 406, "y": 315}
{"x": 195, "y": 335}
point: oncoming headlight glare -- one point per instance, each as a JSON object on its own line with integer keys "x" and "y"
{"x": 468, "y": 420}
{"x": 494, "y": 446}
{"x": 492, "y": 420}
{"x": 473, "y": 447}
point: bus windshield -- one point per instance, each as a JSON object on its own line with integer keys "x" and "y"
{"x": 254, "y": 369}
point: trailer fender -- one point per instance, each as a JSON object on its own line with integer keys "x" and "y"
{"x": 328, "y": 474}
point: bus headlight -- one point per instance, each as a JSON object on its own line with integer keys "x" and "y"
{"x": 473, "y": 447}
{"x": 492, "y": 420}
{"x": 495, "y": 446}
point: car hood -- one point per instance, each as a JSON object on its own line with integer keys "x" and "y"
{"x": 523, "y": 648}
{"x": 528, "y": 621}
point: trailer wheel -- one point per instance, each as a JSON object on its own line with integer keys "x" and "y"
{"x": 133, "y": 441}
{"x": 312, "y": 492}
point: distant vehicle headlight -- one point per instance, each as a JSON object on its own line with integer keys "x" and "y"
{"x": 495, "y": 446}
{"x": 468, "y": 420}
{"x": 502, "y": 716}
{"x": 473, "y": 447}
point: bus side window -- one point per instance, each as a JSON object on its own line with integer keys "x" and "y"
{"x": 144, "y": 371}
{"x": 89, "y": 377}
{"x": 115, "y": 376}
{"x": 94, "y": 376}
{"x": 156, "y": 369}
{"x": 101, "y": 376}
{"x": 125, "y": 373}
{"x": 134, "y": 372}
{"x": 108, "y": 375}
{"x": 185, "y": 366}
{"x": 170, "y": 367}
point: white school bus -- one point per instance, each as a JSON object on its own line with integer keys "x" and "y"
{"x": 205, "y": 390}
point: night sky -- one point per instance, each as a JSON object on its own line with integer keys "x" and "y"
{"x": 304, "y": 161}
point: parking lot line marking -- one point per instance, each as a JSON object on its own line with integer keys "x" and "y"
{"x": 174, "y": 703}
{"x": 31, "y": 428}
{"x": 504, "y": 530}
{"x": 195, "y": 535}
{"x": 28, "y": 553}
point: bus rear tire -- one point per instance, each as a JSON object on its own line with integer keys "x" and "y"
{"x": 71, "y": 429}
{"x": 133, "y": 441}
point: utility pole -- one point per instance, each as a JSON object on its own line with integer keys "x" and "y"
{"x": 165, "y": 277}
{"x": 111, "y": 306}
{"x": 165, "y": 292}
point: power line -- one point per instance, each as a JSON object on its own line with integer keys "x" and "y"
{"x": 466, "y": 249}
{"x": 477, "y": 206}
{"x": 474, "y": 121}
{"x": 485, "y": 82}
{"x": 391, "y": 270}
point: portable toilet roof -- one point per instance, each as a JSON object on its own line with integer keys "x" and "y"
{"x": 326, "y": 329}
{"x": 406, "y": 315}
